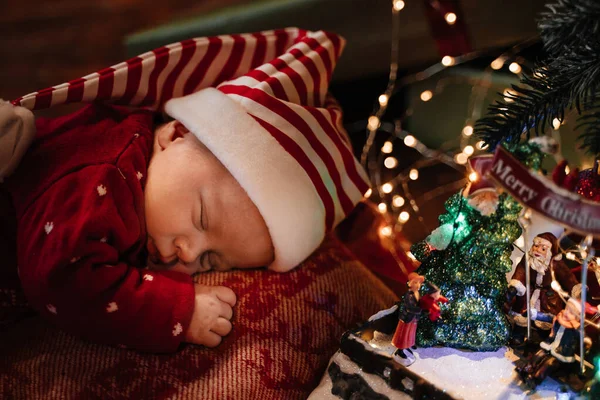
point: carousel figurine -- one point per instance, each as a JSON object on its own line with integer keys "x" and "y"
{"x": 545, "y": 262}
{"x": 558, "y": 349}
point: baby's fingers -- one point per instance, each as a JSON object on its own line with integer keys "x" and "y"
{"x": 211, "y": 339}
{"x": 222, "y": 327}
{"x": 226, "y": 295}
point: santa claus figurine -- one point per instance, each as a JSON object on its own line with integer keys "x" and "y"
{"x": 545, "y": 303}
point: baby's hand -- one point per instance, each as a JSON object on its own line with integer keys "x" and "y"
{"x": 212, "y": 312}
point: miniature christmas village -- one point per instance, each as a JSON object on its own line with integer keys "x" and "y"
{"x": 506, "y": 300}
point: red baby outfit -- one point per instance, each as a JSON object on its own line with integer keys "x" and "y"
{"x": 79, "y": 201}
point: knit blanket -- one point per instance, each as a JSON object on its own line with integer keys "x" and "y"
{"x": 286, "y": 327}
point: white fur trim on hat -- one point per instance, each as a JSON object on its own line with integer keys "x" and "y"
{"x": 273, "y": 180}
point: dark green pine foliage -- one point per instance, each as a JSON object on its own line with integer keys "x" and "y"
{"x": 567, "y": 79}
{"x": 471, "y": 270}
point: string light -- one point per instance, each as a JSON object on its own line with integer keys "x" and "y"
{"x": 556, "y": 123}
{"x": 387, "y": 188}
{"x": 373, "y": 123}
{"x": 386, "y": 231}
{"x": 390, "y": 162}
{"x": 383, "y": 100}
{"x": 398, "y": 201}
{"x": 382, "y": 207}
{"x": 481, "y": 145}
{"x": 368, "y": 193}
{"x": 430, "y": 156}
{"x": 515, "y": 68}
{"x": 571, "y": 256}
{"x": 567, "y": 170}
{"x": 398, "y": 5}
{"x": 447, "y": 61}
{"x": 410, "y": 141}
{"x": 387, "y": 148}
{"x": 461, "y": 158}
{"x": 497, "y": 63}
{"x": 473, "y": 176}
{"x": 403, "y": 217}
{"x": 450, "y": 18}
{"x": 509, "y": 96}
{"x": 426, "y": 95}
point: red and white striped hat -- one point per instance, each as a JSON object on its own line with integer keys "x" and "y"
{"x": 259, "y": 102}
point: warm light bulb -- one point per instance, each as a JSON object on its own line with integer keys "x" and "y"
{"x": 398, "y": 201}
{"x": 556, "y": 123}
{"x": 390, "y": 162}
{"x": 387, "y": 148}
{"x": 404, "y": 216}
{"x": 410, "y": 141}
{"x": 450, "y": 18}
{"x": 473, "y": 176}
{"x": 468, "y": 150}
{"x": 368, "y": 193}
{"x": 382, "y": 207}
{"x": 373, "y": 123}
{"x": 426, "y": 95}
{"x": 383, "y": 100}
{"x": 509, "y": 96}
{"x": 467, "y": 130}
{"x": 481, "y": 145}
{"x": 514, "y": 67}
{"x": 461, "y": 158}
{"x": 447, "y": 61}
{"x": 386, "y": 231}
{"x": 567, "y": 170}
{"x": 387, "y": 188}
{"x": 497, "y": 63}
{"x": 413, "y": 174}
{"x": 571, "y": 256}
{"x": 398, "y": 5}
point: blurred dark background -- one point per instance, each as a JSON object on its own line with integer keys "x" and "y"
{"x": 46, "y": 43}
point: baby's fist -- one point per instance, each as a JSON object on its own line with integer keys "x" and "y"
{"x": 212, "y": 312}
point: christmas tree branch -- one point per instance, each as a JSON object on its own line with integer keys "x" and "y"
{"x": 570, "y": 24}
{"x": 570, "y": 79}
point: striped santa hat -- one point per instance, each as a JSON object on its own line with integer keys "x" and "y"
{"x": 259, "y": 102}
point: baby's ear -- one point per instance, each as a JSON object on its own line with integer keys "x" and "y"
{"x": 169, "y": 132}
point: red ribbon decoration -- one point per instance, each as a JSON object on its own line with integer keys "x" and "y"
{"x": 543, "y": 196}
{"x": 451, "y": 40}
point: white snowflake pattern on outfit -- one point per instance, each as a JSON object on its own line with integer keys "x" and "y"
{"x": 51, "y": 308}
{"x": 148, "y": 277}
{"x": 112, "y": 307}
{"x": 139, "y": 175}
{"x": 177, "y": 329}
{"x": 101, "y": 190}
{"x": 104, "y": 239}
{"x": 48, "y": 227}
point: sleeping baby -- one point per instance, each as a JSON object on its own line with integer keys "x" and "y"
{"x": 251, "y": 172}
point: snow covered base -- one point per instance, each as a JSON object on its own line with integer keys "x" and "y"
{"x": 462, "y": 374}
{"x": 477, "y": 375}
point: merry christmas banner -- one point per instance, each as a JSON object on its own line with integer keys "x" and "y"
{"x": 541, "y": 195}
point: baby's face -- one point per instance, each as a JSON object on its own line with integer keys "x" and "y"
{"x": 197, "y": 215}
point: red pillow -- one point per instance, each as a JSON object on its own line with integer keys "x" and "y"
{"x": 286, "y": 327}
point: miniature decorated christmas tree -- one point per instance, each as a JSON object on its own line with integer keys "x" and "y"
{"x": 468, "y": 257}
